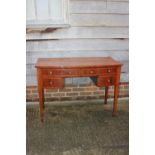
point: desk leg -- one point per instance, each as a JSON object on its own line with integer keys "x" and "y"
{"x": 116, "y": 91}
{"x": 41, "y": 94}
{"x": 106, "y": 95}
{"x": 41, "y": 104}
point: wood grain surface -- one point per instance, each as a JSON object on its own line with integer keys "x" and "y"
{"x": 76, "y": 62}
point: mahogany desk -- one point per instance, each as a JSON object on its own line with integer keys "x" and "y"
{"x": 52, "y": 71}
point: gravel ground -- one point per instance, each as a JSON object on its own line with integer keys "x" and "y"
{"x": 78, "y": 129}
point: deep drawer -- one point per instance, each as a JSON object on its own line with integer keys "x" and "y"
{"x": 105, "y": 81}
{"x": 53, "y": 83}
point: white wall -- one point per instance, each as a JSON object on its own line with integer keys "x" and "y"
{"x": 98, "y": 28}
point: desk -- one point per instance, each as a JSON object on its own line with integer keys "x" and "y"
{"x": 52, "y": 71}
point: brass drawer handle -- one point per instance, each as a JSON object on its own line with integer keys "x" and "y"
{"x": 109, "y": 70}
{"x": 51, "y": 72}
{"x": 109, "y": 81}
{"x": 91, "y": 72}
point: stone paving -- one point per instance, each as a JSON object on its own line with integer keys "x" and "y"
{"x": 78, "y": 129}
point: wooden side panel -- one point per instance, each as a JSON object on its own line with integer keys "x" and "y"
{"x": 99, "y": 7}
{"x": 103, "y": 0}
{"x": 81, "y": 33}
{"x": 99, "y": 20}
{"x": 78, "y": 44}
{"x": 31, "y": 57}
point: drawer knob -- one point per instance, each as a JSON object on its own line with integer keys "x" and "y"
{"x": 51, "y": 73}
{"x": 109, "y": 81}
{"x": 51, "y": 82}
{"x": 91, "y": 72}
{"x": 109, "y": 70}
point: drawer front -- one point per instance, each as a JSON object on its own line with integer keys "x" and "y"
{"x": 70, "y": 72}
{"x": 107, "y": 71}
{"x": 89, "y": 72}
{"x": 51, "y": 72}
{"x": 105, "y": 81}
{"x": 60, "y": 72}
{"x": 53, "y": 83}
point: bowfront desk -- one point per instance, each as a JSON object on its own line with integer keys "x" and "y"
{"x": 52, "y": 71}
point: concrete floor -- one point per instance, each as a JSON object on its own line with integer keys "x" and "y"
{"x": 78, "y": 129}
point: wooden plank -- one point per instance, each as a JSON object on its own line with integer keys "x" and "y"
{"x": 117, "y": 0}
{"x": 31, "y": 80}
{"x": 124, "y": 77}
{"x": 81, "y": 32}
{"x": 125, "y": 67}
{"x": 104, "y": 0}
{"x": 99, "y": 7}
{"x": 78, "y": 44}
{"x": 30, "y": 70}
{"x": 31, "y": 57}
{"x": 99, "y": 20}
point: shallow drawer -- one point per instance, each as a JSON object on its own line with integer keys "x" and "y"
{"x": 89, "y": 72}
{"x": 106, "y": 71}
{"x": 51, "y": 71}
{"x": 70, "y": 72}
{"x": 53, "y": 83}
{"x": 60, "y": 72}
{"x": 105, "y": 81}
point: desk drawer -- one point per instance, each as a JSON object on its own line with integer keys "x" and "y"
{"x": 107, "y": 71}
{"x": 70, "y": 72}
{"x": 53, "y": 83}
{"x": 89, "y": 72}
{"x": 60, "y": 72}
{"x": 105, "y": 81}
{"x": 51, "y": 72}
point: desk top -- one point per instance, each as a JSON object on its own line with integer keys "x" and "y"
{"x": 76, "y": 62}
